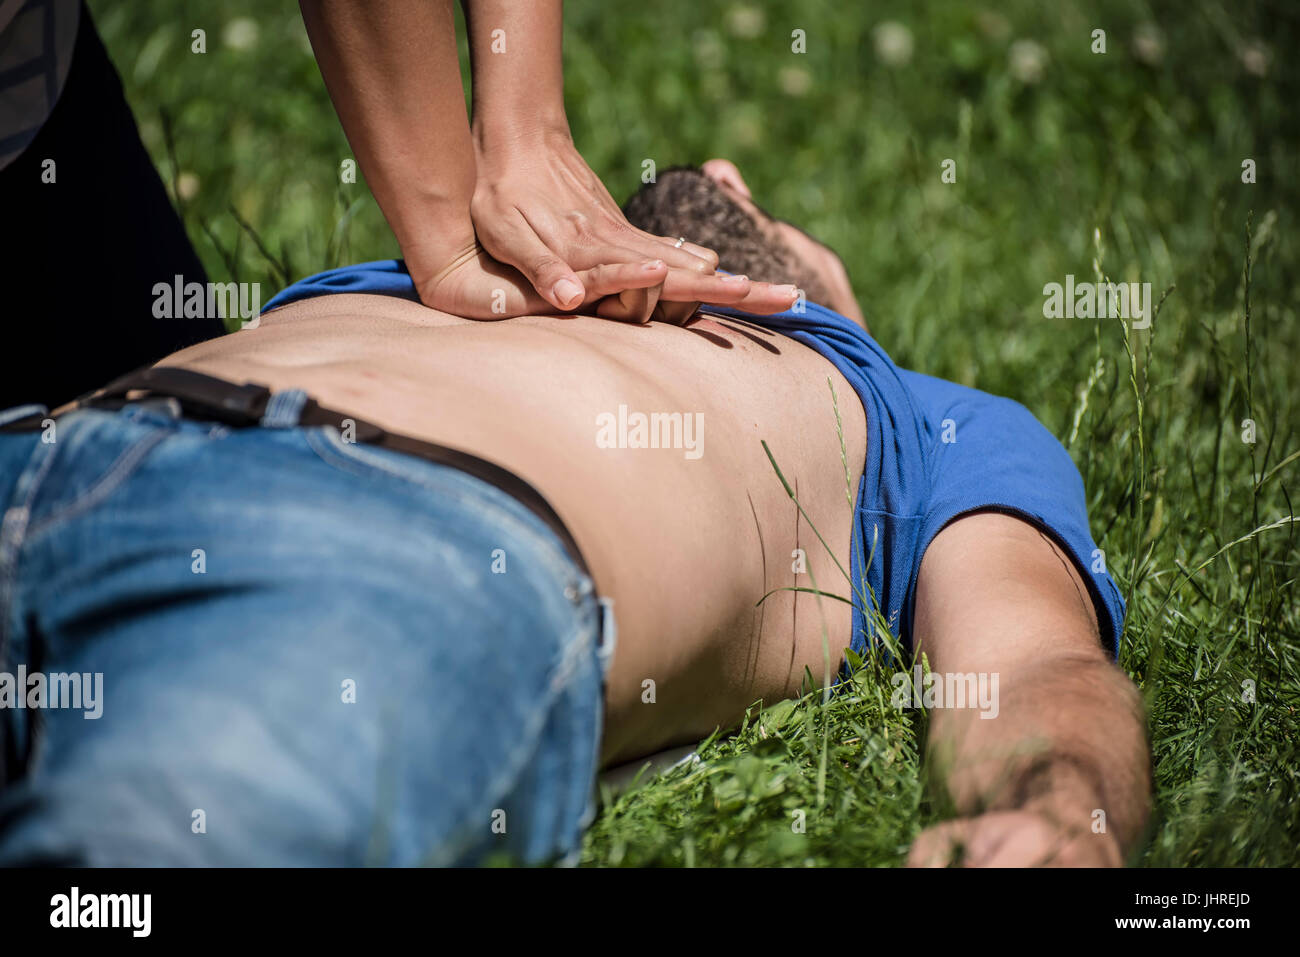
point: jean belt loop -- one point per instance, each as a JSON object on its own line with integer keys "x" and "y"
{"x": 284, "y": 409}
{"x": 20, "y": 412}
{"x": 608, "y": 634}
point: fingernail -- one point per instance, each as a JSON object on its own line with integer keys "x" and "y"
{"x": 567, "y": 292}
{"x": 791, "y": 291}
{"x": 652, "y": 265}
{"x": 734, "y": 278}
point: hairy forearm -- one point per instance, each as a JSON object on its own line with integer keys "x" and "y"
{"x": 392, "y": 71}
{"x": 1068, "y": 742}
{"x": 517, "y": 60}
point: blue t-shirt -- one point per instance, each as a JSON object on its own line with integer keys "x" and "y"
{"x": 935, "y": 451}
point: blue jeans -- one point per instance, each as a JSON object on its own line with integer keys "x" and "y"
{"x": 313, "y": 652}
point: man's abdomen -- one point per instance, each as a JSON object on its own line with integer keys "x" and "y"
{"x": 648, "y": 443}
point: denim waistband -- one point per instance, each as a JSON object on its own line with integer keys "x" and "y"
{"x": 284, "y": 409}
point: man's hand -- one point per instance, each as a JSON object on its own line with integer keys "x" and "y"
{"x": 537, "y": 206}
{"x": 1021, "y": 838}
{"x": 1063, "y": 750}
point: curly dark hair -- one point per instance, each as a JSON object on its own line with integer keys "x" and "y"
{"x": 683, "y": 201}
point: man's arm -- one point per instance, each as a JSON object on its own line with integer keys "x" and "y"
{"x": 1061, "y": 775}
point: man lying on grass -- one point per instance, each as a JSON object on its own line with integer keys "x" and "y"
{"x": 366, "y": 614}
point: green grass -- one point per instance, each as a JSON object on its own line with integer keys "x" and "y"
{"x": 1126, "y": 164}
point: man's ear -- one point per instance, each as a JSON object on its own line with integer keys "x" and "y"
{"x": 724, "y": 173}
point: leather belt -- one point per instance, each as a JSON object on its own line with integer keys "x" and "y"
{"x": 209, "y": 398}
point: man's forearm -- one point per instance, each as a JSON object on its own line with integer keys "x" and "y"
{"x": 392, "y": 70}
{"x": 1068, "y": 742}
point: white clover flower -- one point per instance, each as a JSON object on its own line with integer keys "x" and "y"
{"x": 795, "y": 80}
{"x": 187, "y": 185}
{"x": 893, "y": 43}
{"x": 707, "y": 47}
{"x": 1027, "y": 60}
{"x": 1254, "y": 57}
{"x": 240, "y": 34}
{"x": 746, "y": 21}
{"x": 1148, "y": 44}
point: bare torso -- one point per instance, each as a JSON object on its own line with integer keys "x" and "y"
{"x": 685, "y": 545}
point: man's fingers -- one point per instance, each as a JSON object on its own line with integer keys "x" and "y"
{"x": 1011, "y": 839}
{"x": 991, "y": 840}
{"x": 937, "y": 846}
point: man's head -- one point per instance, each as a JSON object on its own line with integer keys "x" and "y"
{"x": 711, "y": 205}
